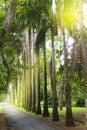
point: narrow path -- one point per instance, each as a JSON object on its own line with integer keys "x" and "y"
{"x": 18, "y": 120}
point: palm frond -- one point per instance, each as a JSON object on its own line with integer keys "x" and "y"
{"x": 40, "y": 38}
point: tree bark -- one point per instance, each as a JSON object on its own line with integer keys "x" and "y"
{"x": 55, "y": 115}
{"x": 33, "y": 72}
{"x": 69, "y": 116}
{"x": 45, "y": 107}
{"x": 60, "y": 96}
{"x": 84, "y": 56}
{"x": 10, "y": 13}
{"x": 38, "y": 106}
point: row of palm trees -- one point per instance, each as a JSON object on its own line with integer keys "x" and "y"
{"x": 26, "y": 88}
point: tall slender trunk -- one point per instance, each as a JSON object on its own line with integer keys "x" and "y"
{"x": 84, "y": 56}
{"x": 23, "y": 83}
{"x": 22, "y": 89}
{"x": 13, "y": 94}
{"x": 19, "y": 90}
{"x": 26, "y": 75}
{"x": 69, "y": 116}
{"x": 60, "y": 96}
{"x": 33, "y": 73}
{"x": 30, "y": 86}
{"x": 24, "y": 80}
{"x": 15, "y": 83}
{"x": 55, "y": 115}
{"x": 28, "y": 71}
{"x": 18, "y": 83}
{"x": 38, "y": 106}
{"x": 45, "y": 109}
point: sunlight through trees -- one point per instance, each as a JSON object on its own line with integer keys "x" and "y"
{"x": 43, "y": 51}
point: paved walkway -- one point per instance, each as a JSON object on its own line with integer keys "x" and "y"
{"x": 18, "y": 120}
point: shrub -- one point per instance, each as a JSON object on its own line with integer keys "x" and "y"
{"x": 80, "y": 102}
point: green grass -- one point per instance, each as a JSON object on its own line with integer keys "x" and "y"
{"x": 78, "y": 109}
{"x": 23, "y": 110}
{"x": 74, "y": 110}
{"x": 61, "y": 112}
{"x": 1, "y": 109}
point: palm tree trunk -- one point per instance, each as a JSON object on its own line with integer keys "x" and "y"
{"x": 45, "y": 107}
{"x": 84, "y": 57}
{"x": 28, "y": 71}
{"x": 69, "y": 116}
{"x": 33, "y": 73}
{"x": 24, "y": 80}
{"x": 30, "y": 86}
{"x": 38, "y": 106}
{"x": 23, "y": 84}
{"x": 60, "y": 96}
{"x": 55, "y": 115}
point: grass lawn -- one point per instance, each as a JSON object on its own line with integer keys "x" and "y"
{"x": 74, "y": 109}
{"x": 3, "y": 124}
{"x": 1, "y": 109}
{"x": 78, "y": 109}
{"x": 78, "y": 113}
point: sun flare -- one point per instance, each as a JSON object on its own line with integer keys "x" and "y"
{"x": 70, "y": 14}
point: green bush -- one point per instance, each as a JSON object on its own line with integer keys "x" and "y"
{"x": 80, "y": 102}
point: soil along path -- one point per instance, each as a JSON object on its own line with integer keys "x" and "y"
{"x": 18, "y": 120}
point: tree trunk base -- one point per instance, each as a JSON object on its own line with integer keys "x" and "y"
{"x": 45, "y": 114}
{"x": 69, "y": 121}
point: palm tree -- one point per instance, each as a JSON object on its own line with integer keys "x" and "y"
{"x": 28, "y": 71}
{"x": 45, "y": 107}
{"x": 84, "y": 55}
{"x": 69, "y": 116}
{"x": 41, "y": 41}
{"x": 66, "y": 11}
{"x": 25, "y": 105}
{"x": 55, "y": 115}
{"x": 30, "y": 86}
{"x": 33, "y": 71}
{"x": 23, "y": 82}
{"x": 38, "y": 106}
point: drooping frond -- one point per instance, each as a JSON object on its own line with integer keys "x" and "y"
{"x": 40, "y": 38}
